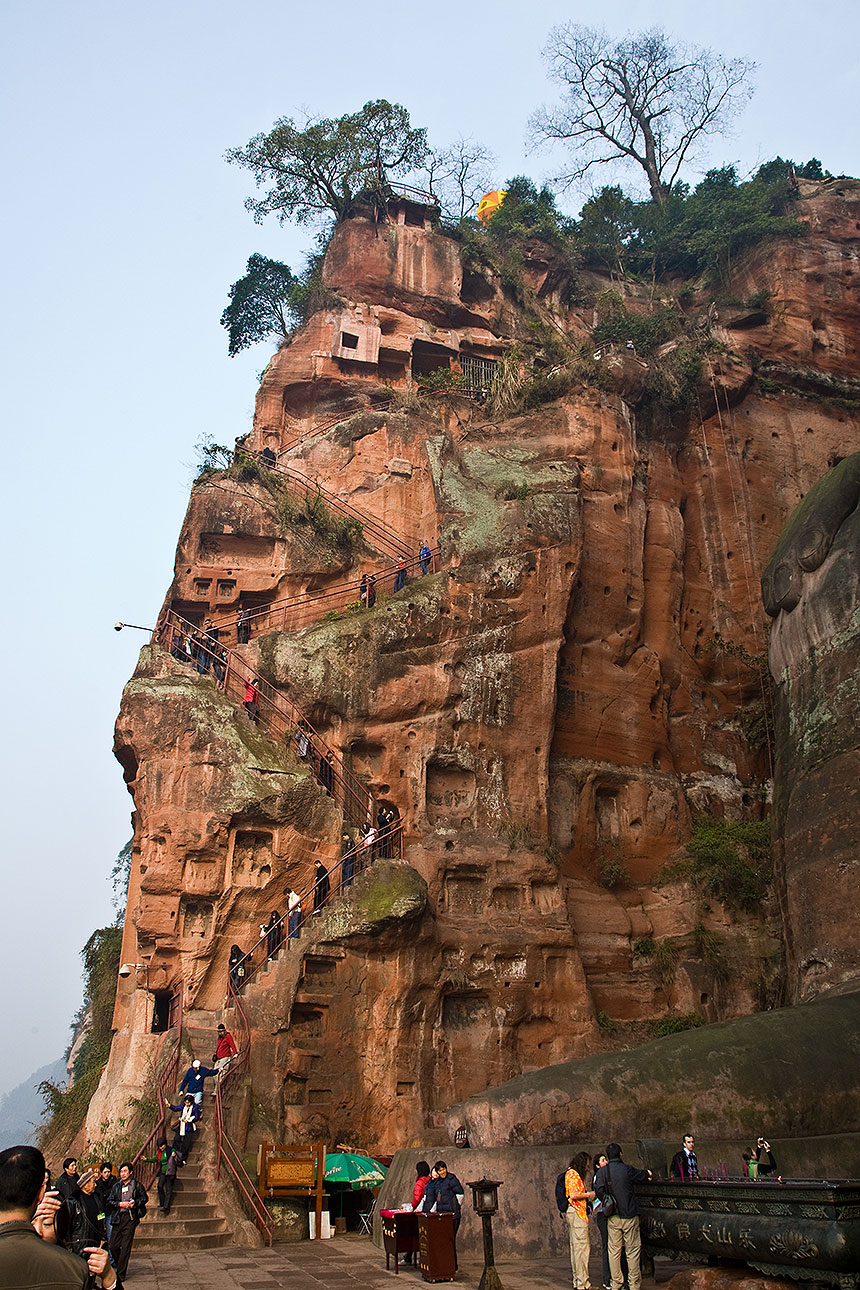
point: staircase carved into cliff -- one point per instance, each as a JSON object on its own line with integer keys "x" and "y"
{"x": 195, "y": 1221}
{"x": 377, "y": 534}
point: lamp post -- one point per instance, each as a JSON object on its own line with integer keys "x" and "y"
{"x": 485, "y": 1198}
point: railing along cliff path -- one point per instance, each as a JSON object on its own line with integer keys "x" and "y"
{"x": 293, "y": 613}
{"x": 144, "y": 1164}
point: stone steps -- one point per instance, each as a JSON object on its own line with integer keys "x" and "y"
{"x": 194, "y": 1222}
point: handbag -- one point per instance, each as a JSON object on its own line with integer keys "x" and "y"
{"x": 608, "y": 1206}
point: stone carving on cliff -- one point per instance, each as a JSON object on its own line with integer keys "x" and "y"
{"x": 811, "y": 588}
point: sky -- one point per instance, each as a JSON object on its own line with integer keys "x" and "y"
{"x": 122, "y": 228}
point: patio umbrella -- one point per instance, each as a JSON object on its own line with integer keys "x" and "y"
{"x": 350, "y": 1170}
{"x": 355, "y": 1171}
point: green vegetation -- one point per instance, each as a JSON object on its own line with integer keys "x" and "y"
{"x": 606, "y": 1024}
{"x": 644, "y": 947}
{"x": 318, "y": 171}
{"x": 664, "y": 963}
{"x": 67, "y": 1107}
{"x": 675, "y": 1025}
{"x": 728, "y": 860}
{"x": 259, "y": 303}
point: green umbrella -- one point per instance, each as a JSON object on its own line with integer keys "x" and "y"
{"x": 355, "y": 1171}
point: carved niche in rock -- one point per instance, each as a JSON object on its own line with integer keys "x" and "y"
{"x": 450, "y": 792}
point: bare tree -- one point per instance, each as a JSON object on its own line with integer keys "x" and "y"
{"x": 641, "y": 99}
{"x": 458, "y": 176}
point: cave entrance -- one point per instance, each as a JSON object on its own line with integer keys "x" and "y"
{"x": 161, "y": 1011}
{"x": 428, "y": 358}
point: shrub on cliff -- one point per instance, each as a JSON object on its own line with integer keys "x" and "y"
{"x": 728, "y": 859}
{"x": 67, "y": 1107}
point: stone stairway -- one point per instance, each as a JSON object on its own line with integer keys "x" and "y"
{"x": 194, "y": 1222}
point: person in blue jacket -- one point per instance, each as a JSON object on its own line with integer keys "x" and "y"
{"x": 193, "y": 1081}
{"x": 444, "y": 1192}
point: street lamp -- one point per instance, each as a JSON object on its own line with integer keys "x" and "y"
{"x": 485, "y": 1198}
{"x": 119, "y": 626}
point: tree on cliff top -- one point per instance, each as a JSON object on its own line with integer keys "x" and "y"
{"x": 259, "y": 303}
{"x": 317, "y": 171}
{"x": 642, "y": 99}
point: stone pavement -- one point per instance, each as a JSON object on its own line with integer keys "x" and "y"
{"x": 350, "y": 1262}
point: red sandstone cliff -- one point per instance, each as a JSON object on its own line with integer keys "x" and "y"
{"x": 556, "y": 699}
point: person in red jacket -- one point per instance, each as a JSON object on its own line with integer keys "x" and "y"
{"x": 422, "y": 1169}
{"x": 225, "y": 1049}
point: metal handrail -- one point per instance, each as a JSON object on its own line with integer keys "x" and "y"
{"x": 224, "y": 1149}
{"x": 278, "y": 713}
{"x": 382, "y": 536}
{"x": 283, "y": 613}
{"x": 391, "y": 842}
{"x": 316, "y": 431}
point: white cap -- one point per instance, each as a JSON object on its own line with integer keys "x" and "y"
{"x": 196, "y": 1062}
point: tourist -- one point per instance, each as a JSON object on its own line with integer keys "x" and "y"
{"x": 764, "y": 1158}
{"x": 422, "y": 1170}
{"x": 103, "y": 1189}
{"x": 86, "y": 1217}
{"x": 243, "y": 627}
{"x": 424, "y": 557}
{"x": 225, "y": 1049}
{"x": 68, "y": 1179}
{"x": 347, "y": 860}
{"x": 400, "y": 577}
{"x": 201, "y": 649}
{"x": 294, "y": 913}
{"x": 251, "y": 701}
{"x": 186, "y": 1129}
{"x": 29, "y": 1256}
{"x": 322, "y": 887}
{"x": 368, "y": 844}
{"x": 127, "y": 1203}
{"x": 362, "y": 591}
{"x": 236, "y": 967}
{"x": 578, "y": 1196}
{"x": 274, "y": 934}
{"x": 616, "y": 1179}
{"x": 192, "y": 1081}
{"x": 371, "y": 590}
{"x": 602, "y": 1222}
{"x": 167, "y": 1180}
{"x": 684, "y": 1164}
{"x": 268, "y": 458}
{"x": 327, "y": 772}
{"x": 445, "y": 1192}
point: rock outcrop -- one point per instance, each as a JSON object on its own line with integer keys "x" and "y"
{"x": 547, "y": 712}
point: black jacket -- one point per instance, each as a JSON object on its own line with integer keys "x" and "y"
{"x": 86, "y": 1226}
{"x": 140, "y": 1196}
{"x": 619, "y": 1179}
{"x": 443, "y": 1192}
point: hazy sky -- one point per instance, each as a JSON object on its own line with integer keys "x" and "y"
{"x": 122, "y": 229}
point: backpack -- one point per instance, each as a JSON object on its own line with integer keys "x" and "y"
{"x": 561, "y": 1193}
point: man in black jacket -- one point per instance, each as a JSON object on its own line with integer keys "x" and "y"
{"x": 127, "y": 1205}
{"x": 684, "y": 1163}
{"x": 445, "y": 1191}
{"x": 617, "y": 1179}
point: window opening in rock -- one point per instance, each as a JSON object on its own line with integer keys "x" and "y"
{"x": 348, "y": 340}
{"x": 478, "y": 376}
{"x": 160, "y": 1012}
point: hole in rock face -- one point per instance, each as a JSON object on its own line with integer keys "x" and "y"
{"x": 348, "y": 340}
{"x": 449, "y": 845}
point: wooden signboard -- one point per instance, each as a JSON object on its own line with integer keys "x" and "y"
{"x": 286, "y": 1170}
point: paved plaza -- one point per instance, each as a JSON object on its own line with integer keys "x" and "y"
{"x": 350, "y": 1261}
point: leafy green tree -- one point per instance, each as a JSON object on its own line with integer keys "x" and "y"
{"x": 642, "y": 99}
{"x": 528, "y": 210}
{"x": 607, "y": 226}
{"x": 259, "y": 303}
{"x": 317, "y": 171}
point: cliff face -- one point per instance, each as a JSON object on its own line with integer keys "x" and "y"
{"x": 546, "y": 712}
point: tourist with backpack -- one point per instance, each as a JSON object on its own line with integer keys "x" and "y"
{"x": 614, "y": 1186}
{"x": 572, "y": 1200}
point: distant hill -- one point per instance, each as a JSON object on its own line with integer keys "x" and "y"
{"x": 21, "y": 1109}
